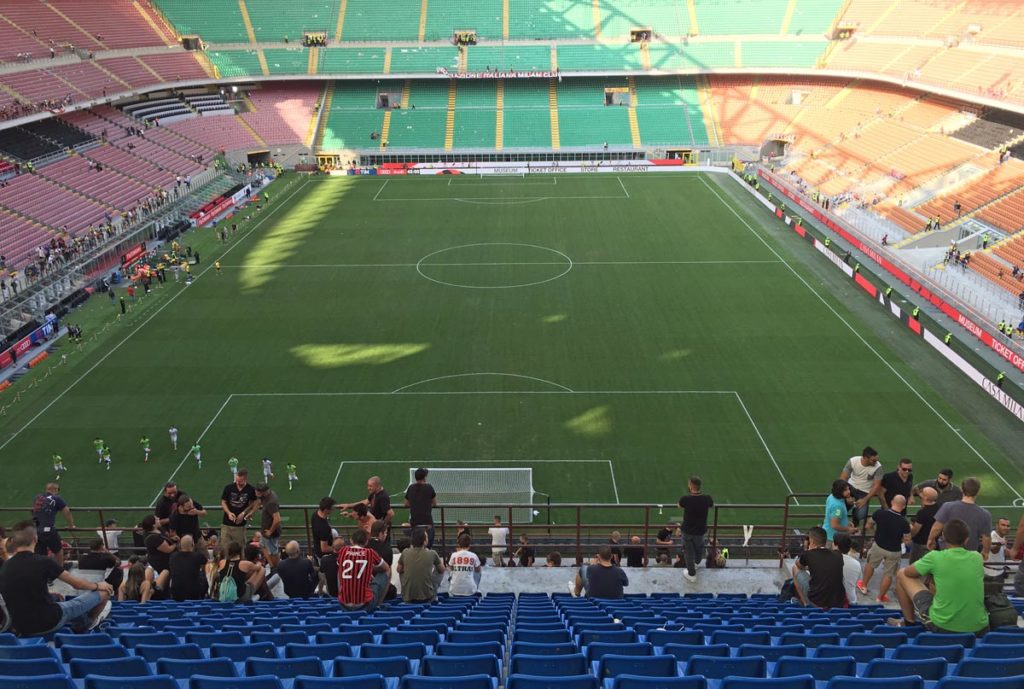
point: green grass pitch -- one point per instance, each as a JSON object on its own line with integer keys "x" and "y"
{"x": 614, "y": 333}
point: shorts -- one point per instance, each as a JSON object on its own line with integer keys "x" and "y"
{"x": 499, "y": 553}
{"x": 889, "y": 560}
{"x": 49, "y": 542}
{"x": 271, "y": 545}
{"x": 922, "y": 606}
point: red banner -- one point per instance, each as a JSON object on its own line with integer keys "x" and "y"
{"x": 132, "y": 255}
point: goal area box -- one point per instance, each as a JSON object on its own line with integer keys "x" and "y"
{"x": 512, "y": 487}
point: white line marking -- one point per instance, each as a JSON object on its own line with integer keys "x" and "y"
{"x": 426, "y": 462}
{"x": 537, "y": 263}
{"x": 757, "y": 430}
{"x": 336, "y": 475}
{"x": 861, "y": 338}
{"x": 567, "y": 265}
{"x": 506, "y": 199}
{"x": 623, "y": 186}
{"x": 381, "y": 189}
{"x": 402, "y": 391}
{"x": 189, "y": 453}
{"x": 562, "y": 388}
{"x": 153, "y": 315}
{"x": 615, "y": 485}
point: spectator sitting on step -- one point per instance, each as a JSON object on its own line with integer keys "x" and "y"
{"x": 329, "y": 568}
{"x": 99, "y": 559}
{"x": 851, "y": 566}
{"x": 420, "y": 570}
{"x": 602, "y": 579}
{"x": 465, "y": 569}
{"x": 634, "y": 553}
{"x": 187, "y": 571}
{"x": 818, "y": 573}
{"x": 554, "y": 559}
{"x": 138, "y": 585}
{"x": 958, "y": 576}
{"x": 297, "y": 573}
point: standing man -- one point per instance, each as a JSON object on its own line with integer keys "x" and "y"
{"x": 268, "y": 470}
{"x": 184, "y": 520}
{"x": 420, "y": 569}
{"x": 818, "y": 573}
{"x": 58, "y": 465}
{"x": 362, "y": 576}
{"x": 695, "y": 525}
{"x": 921, "y": 524}
{"x": 238, "y": 501}
{"x": 293, "y": 474}
{"x": 233, "y": 465}
{"x": 323, "y": 535}
{"x": 377, "y": 501}
{"x": 499, "y": 542}
{"x": 144, "y": 442}
{"x": 891, "y": 528}
{"x": 44, "y": 515}
{"x": 270, "y": 524}
{"x": 173, "y": 430}
{"x": 634, "y": 553}
{"x": 420, "y": 498}
{"x": 943, "y": 485}
{"x": 197, "y": 452}
{"x": 977, "y": 519}
{"x": 24, "y": 586}
{"x": 999, "y": 551}
{"x": 166, "y": 503}
{"x": 864, "y": 474}
{"x": 99, "y": 444}
{"x": 837, "y": 515}
{"x": 899, "y": 482}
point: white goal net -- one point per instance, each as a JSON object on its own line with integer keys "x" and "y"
{"x": 461, "y": 486}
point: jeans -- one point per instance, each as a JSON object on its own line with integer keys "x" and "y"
{"x": 802, "y": 580}
{"x": 858, "y": 515}
{"x": 74, "y": 612}
{"x": 379, "y": 586}
{"x": 693, "y": 549}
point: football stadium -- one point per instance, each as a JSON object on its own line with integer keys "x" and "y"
{"x": 392, "y": 319}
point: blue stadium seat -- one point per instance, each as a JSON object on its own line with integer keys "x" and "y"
{"x": 114, "y": 667}
{"x": 796, "y": 682}
{"x": 613, "y": 665}
{"x": 660, "y": 637}
{"x": 33, "y": 652}
{"x": 617, "y": 636}
{"x": 945, "y": 639}
{"x": 69, "y": 653}
{"x": 460, "y": 666}
{"x": 321, "y": 651}
{"x": 266, "y": 682}
{"x": 821, "y": 669}
{"x": 394, "y": 666}
{"x": 548, "y": 665}
{"x": 986, "y": 650}
{"x": 427, "y": 637}
{"x": 541, "y": 637}
{"x": 154, "y": 639}
{"x": 989, "y": 667}
{"x": 279, "y": 638}
{"x": 638, "y": 682}
{"x": 242, "y": 652}
{"x": 355, "y": 638}
{"x": 207, "y": 639}
{"x": 183, "y": 669}
{"x": 810, "y": 640}
{"x": 94, "y": 639}
{"x": 771, "y": 653}
{"x": 284, "y": 668}
{"x": 929, "y": 670}
{"x": 1004, "y": 635}
{"x": 310, "y": 627}
{"x": 740, "y": 638}
{"x": 57, "y": 681}
{"x": 527, "y": 648}
{"x": 951, "y": 654}
{"x": 567, "y": 682}
{"x": 875, "y": 683}
{"x": 461, "y": 637}
{"x": 151, "y": 654}
{"x": 713, "y": 667}
{"x": 355, "y": 682}
{"x": 447, "y": 682}
{"x": 596, "y": 650}
{"x": 414, "y": 651}
{"x": 154, "y": 682}
{"x": 889, "y": 640}
{"x": 861, "y": 654}
{"x": 1015, "y": 682}
{"x": 683, "y": 652}
{"x": 446, "y": 648}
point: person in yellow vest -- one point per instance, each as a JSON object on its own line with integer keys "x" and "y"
{"x": 216, "y": 265}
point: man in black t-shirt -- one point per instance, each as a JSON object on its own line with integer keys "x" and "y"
{"x": 184, "y": 520}
{"x": 921, "y": 524}
{"x": 891, "y": 527}
{"x": 187, "y": 573}
{"x": 323, "y": 535}
{"x": 695, "y": 524}
{"x": 603, "y": 579}
{"x": 238, "y": 501}
{"x": 377, "y": 502}
{"x": 166, "y": 503}
{"x": 899, "y": 482}
{"x": 818, "y": 573}
{"x": 158, "y": 552}
{"x": 420, "y": 498}
{"x": 634, "y": 553}
{"x": 270, "y": 524}
{"x": 24, "y": 586}
{"x": 99, "y": 559}
{"x": 329, "y": 568}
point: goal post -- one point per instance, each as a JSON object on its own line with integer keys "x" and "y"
{"x": 463, "y": 486}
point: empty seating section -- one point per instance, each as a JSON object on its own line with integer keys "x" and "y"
{"x": 668, "y": 112}
{"x": 508, "y": 57}
{"x": 353, "y": 116}
{"x": 475, "y": 114}
{"x": 139, "y": 168}
{"x": 372, "y": 20}
{"x": 290, "y": 61}
{"x": 561, "y": 19}
{"x": 1007, "y": 213}
{"x": 235, "y": 63}
{"x": 112, "y": 188}
{"x": 129, "y": 70}
{"x": 40, "y": 85}
{"x": 20, "y": 237}
{"x": 591, "y": 58}
{"x": 216, "y": 22}
{"x": 695, "y": 56}
{"x": 657, "y": 642}
{"x": 46, "y": 24}
{"x": 218, "y": 132}
{"x": 584, "y": 119}
{"x": 351, "y": 60}
{"x": 48, "y": 203}
{"x": 813, "y": 17}
{"x": 422, "y": 124}
{"x": 16, "y": 41}
{"x": 129, "y": 31}
{"x": 527, "y": 114}
{"x": 88, "y": 79}
{"x": 174, "y": 66}
{"x": 743, "y": 17}
{"x": 423, "y": 59}
{"x": 661, "y": 17}
{"x": 272, "y": 25}
{"x": 283, "y": 112}
{"x": 793, "y": 53}
{"x": 446, "y": 16}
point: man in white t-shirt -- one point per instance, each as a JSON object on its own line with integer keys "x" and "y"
{"x": 499, "y": 542}
{"x": 999, "y": 551}
{"x": 864, "y": 474}
{"x": 851, "y": 566}
{"x": 464, "y": 566}
{"x": 112, "y": 532}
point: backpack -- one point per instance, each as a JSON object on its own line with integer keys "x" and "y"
{"x": 788, "y": 591}
{"x": 227, "y": 591}
{"x": 1001, "y": 612}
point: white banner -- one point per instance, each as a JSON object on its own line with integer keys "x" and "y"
{"x": 1011, "y": 405}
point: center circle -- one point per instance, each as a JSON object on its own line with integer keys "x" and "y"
{"x": 494, "y": 265}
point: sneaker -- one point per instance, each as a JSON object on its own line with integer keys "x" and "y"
{"x": 692, "y": 578}
{"x": 861, "y": 587}
{"x": 882, "y": 599}
{"x": 104, "y": 614}
{"x": 572, "y": 589}
{"x": 896, "y": 622}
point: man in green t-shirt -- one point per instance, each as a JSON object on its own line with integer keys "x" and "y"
{"x": 420, "y": 570}
{"x": 956, "y": 602}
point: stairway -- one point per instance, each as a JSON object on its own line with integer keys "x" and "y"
{"x": 634, "y": 124}
{"x": 318, "y": 122}
{"x": 704, "y": 96}
{"x": 553, "y": 106}
{"x": 499, "y": 119}
{"x": 449, "y": 125}
{"x": 314, "y": 61}
{"x": 384, "y": 129}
